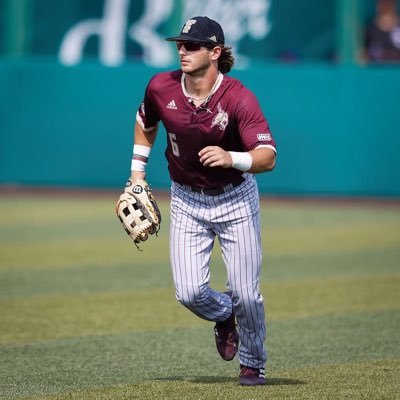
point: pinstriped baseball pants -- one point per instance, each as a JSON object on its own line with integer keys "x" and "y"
{"x": 234, "y": 218}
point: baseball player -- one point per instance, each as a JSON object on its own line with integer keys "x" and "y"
{"x": 218, "y": 138}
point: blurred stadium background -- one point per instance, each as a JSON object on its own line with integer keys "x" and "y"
{"x": 73, "y": 73}
{"x": 83, "y": 315}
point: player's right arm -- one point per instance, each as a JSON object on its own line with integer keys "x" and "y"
{"x": 146, "y": 127}
{"x": 146, "y": 138}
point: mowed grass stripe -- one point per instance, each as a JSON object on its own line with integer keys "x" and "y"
{"x": 355, "y": 381}
{"x": 188, "y": 355}
{"x": 47, "y": 211}
{"x": 49, "y": 281}
{"x": 113, "y": 277}
{"x": 71, "y": 233}
{"x": 117, "y": 249}
{"x": 369, "y": 262}
{"x": 84, "y": 232}
{"x": 47, "y": 214}
{"x": 328, "y": 239}
{"x": 321, "y": 213}
{"x": 285, "y": 300}
{"x": 81, "y": 252}
{"x": 52, "y": 317}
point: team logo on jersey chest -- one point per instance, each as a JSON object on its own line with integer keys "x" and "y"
{"x": 221, "y": 119}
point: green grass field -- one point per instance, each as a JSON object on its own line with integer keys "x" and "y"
{"x": 84, "y": 315}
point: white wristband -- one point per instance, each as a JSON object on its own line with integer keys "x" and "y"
{"x": 137, "y": 165}
{"x": 241, "y": 160}
{"x": 140, "y": 157}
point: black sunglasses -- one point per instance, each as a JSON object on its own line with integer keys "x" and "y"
{"x": 192, "y": 46}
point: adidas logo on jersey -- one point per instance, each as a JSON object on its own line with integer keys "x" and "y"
{"x": 171, "y": 105}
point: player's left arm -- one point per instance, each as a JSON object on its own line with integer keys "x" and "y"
{"x": 263, "y": 159}
{"x": 255, "y": 161}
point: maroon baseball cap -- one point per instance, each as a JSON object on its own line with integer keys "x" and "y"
{"x": 201, "y": 30}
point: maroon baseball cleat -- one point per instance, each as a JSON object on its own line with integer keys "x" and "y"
{"x": 227, "y": 338}
{"x": 251, "y": 376}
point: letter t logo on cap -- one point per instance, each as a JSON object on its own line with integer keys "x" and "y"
{"x": 188, "y": 25}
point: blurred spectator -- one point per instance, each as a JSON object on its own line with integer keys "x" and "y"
{"x": 382, "y": 40}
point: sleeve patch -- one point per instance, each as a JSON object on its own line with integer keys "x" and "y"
{"x": 264, "y": 137}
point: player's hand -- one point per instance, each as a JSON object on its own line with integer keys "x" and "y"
{"x": 136, "y": 176}
{"x": 215, "y": 156}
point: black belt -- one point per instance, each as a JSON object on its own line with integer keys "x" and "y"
{"x": 214, "y": 191}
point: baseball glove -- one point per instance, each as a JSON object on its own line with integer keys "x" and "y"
{"x": 138, "y": 211}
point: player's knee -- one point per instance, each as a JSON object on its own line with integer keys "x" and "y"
{"x": 190, "y": 297}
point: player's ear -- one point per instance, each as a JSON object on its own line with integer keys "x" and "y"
{"x": 215, "y": 53}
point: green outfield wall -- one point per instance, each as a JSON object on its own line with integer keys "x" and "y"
{"x": 337, "y": 128}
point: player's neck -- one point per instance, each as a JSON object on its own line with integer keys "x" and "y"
{"x": 199, "y": 87}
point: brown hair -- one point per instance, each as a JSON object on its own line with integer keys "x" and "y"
{"x": 226, "y": 60}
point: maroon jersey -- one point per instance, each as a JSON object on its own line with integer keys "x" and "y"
{"x": 230, "y": 118}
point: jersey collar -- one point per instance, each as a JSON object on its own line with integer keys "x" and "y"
{"x": 216, "y": 86}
